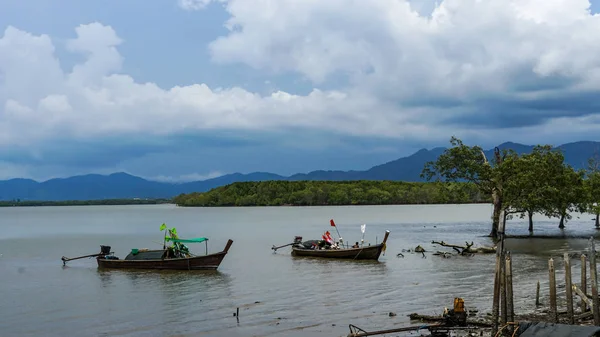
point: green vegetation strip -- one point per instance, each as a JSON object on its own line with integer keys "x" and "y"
{"x": 27, "y": 203}
{"x": 320, "y": 193}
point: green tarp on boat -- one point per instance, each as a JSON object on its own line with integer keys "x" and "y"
{"x": 194, "y": 240}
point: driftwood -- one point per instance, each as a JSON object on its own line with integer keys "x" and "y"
{"x": 425, "y": 318}
{"x": 418, "y": 249}
{"x": 445, "y": 255}
{"x": 467, "y": 249}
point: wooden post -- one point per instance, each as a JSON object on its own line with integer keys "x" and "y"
{"x": 569, "y": 289}
{"x": 583, "y": 281}
{"x": 553, "y": 312}
{"x": 509, "y": 289}
{"x": 503, "y": 286}
{"x": 594, "y": 281}
{"x": 497, "y": 275}
{"x": 537, "y": 295}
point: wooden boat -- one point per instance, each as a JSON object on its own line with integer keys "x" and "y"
{"x": 361, "y": 253}
{"x": 175, "y": 257}
{"x": 164, "y": 259}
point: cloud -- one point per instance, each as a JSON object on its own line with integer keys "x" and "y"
{"x": 413, "y": 73}
{"x": 467, "y": 53}
{"x": 93, "y": 100}
{"x": 193, "y": 5}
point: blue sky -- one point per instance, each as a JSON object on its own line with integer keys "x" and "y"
{"x": 189, "y": 89}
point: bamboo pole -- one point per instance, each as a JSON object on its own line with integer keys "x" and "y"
{"x": 583, "y": 282}
{"x": 509, "y": 289}
{"x": 552, "y": 312}
{"x": 497, "y": 275}
{"x": 569, "y": 288}
{"x": 537, "y": 294}
{"x": 503, "y": 295}
{"x": 594, "y": 280}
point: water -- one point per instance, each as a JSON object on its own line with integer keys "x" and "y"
{"x": 278, "y": 295}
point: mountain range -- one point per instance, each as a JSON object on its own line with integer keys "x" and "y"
{"x": 125, "y": 186}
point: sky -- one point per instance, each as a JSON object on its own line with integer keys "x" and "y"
{"x": 180, "y": 90}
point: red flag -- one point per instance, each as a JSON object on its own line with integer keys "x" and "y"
{"x": 332, "y": 223}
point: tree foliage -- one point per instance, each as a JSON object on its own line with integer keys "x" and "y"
{"x": 592, "y": 188}
{"x": 469, "y": 163}
{"x": 317, "y": 193}
{"x": 534, "y": 186}
{"x": 537, "y": 182}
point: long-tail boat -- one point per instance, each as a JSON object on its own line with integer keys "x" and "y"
{"x": 322, "y": 249}
{"x": 175, "y": 257}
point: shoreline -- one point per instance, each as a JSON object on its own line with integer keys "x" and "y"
{"x": 98, "y": 202}
{"x": 337, "y": 205}
{"x": 125, "y": 202}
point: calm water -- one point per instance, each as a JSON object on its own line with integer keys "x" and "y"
{"x": 278, "y": 295}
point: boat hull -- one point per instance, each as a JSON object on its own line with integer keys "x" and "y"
{"x": 206, "y": 262}
{"x": 365, "y": 253}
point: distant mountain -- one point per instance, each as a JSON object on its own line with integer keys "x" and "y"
{"x": 124, "y": 186}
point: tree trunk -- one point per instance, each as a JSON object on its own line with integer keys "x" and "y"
{"x": 597, "y": 220}
{"x": 561, "y": 225}
{"x": 530, "y": 214}
{"x": 496, "y": 215}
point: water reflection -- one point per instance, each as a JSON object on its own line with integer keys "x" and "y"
{"x": 168, "y": 279}
{"x": 193, "y": 300}
{"x": 105, "y": 277}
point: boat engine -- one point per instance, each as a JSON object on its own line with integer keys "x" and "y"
{"x": 105, "y": 250}
{"x": 297, "y": 240}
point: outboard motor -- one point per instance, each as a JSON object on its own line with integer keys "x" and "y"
{"x": 105, "y": 250}
{"x": 297, "y": 240}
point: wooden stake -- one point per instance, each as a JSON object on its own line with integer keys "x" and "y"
{"x": 537, "y": 295}
{"x": 569, "y": 288}
{"x": 503, "y": 286}
{"x": 553, "y": 312}
{"x": 509, "y": 289}
{"x": 498, "y": 270}
{"x": 594, "y": 280}
{"x": 583, "y": 281}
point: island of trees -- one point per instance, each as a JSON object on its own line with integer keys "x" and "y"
{"x": 319, "y": 193}
{"x": 539, "y": 182}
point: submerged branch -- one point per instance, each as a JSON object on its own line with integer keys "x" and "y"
{"x": 467, "y": 249}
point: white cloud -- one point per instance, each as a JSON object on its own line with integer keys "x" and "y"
{"x": 193, "y": 5}
{"x": 407, "y": 72}
{"x": 466, "y": 49}
{"x": 94, "y": 99}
